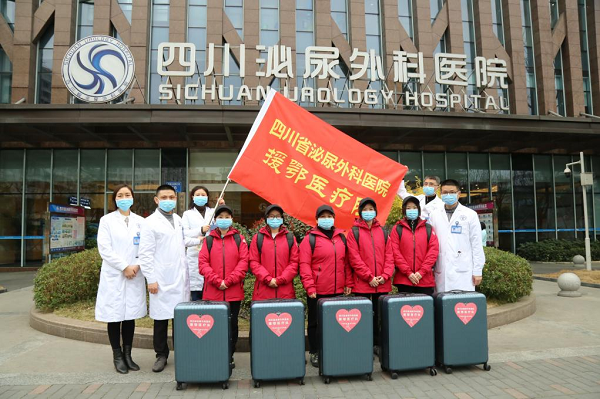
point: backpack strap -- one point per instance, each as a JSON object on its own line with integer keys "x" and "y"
{"x": 356, "y": 232}
{"x": 209, "y": 241}
{"x": 343, "y": 238}
{"x": 385, "y": 235}
{"x": 237, "y": 239}
{"x": 312, "y": 241}
{"x": 428, "y": 229}
{"x": 399, "y": 230}
{"x": 290, "y": 240}
{"x": 260, "y": 237}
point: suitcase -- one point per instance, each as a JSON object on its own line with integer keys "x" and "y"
{"x": 202, "y": 343}
{"x": 407, "y": 333}
{"x": 461, "y": 329}
{"x": 346, "y": 327}
{"x": 277, "y": 340}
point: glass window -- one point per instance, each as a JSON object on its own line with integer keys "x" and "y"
{"x": 11, "y": 186}
{"x": 502, "y": 195}
{"x": 412, "y": 160}
{"x": 565, "y": 215}
{"x": 92, "y": 171}
{"x": 85, "y": 20}
{"x": 11, "y": 171}
{"x": 146, "y": 170}
{"x": 305, "y": 37}
{"x": 596, "y": 204}
{"x": 126, "y": 7}
{"x": 159, "y": 33}
{"x": 479, "y": 178}
{"x": 45, "y": 60}
{"x": 64, "y": 180}
{"x": 497, "y": 20}
{"x": 339, "y": 13}
{"x": 523, "y": 192}
{"x": 559, "y": 84}
{"x": 37, "y": 177}
{"x": 457, "y": 170}
{"x": 435, "y": 164}
{"x": 468, "y": 23}
{"x": 38, "y": 171}
{"x": 405, "y": 15}
{"x": 544, "y": 194}
{"x": 585, "y": 59}
{"x": 7, "y": 8}
{"x": 393, "y": 155}
{"x": 234, "y": 9}
{"x": 529, "y": 58}
{"x": 119, "y": 168}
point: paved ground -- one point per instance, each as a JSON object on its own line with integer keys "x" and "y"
{"x": 551, "y": 267}
{"x": 554, "y": 353}
{"x": 16, "y": 280}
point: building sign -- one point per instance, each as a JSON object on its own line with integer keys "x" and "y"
{"x": 489, "y": 76}
{"x": 98, "y": 69}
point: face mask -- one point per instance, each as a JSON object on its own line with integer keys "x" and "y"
{"x": 167, "y": 205}
{"x": 429, "y": 191}
{"x": 449, "y": 199}
{"x": 275, "y": 223}
{"x": 412, "y": 214}
{"x": 224, "y": 223}
{"x": 125, "y": 204}
{"x": 200, "y": 200}
{"x": 325, "y": 223}
{"x": 368, "y": 215}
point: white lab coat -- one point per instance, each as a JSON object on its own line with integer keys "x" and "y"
{"x": 119, "y": 298}
{"x": 426, "y": 208}
{"x": 461, "y": 253}
{"x": 193, "y": 222}
{"x": 162, "y": 259}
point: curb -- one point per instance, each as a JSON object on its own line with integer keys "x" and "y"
{"x": 590, "y": 285}
{"x": 93, "y": 332}
{"x": 2, "y": 289}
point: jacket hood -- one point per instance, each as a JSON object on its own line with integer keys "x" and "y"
{"x": 267, "y": 230}
{"x": 407, "y": 200}
{"x": 358, "y": 222}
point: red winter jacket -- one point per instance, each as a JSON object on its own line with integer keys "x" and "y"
{"x": 276, "y": 260}
{"x": 224, "y": 262}
{"x": 326, "y": 271}
{"x": 371, "y": 257}
{"x": 414, "y": 254}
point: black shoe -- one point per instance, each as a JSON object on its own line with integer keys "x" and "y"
{"x": 232, "y": 364}
{"x": 119, "y": 362}
{"x": 159, "y": 364}
{"x": 131, "y": 365}
{"x": 314, "y": 359}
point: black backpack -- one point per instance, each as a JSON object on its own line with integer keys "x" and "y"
{"x": 312, "y": 241}
{"x": 261, "y": 237}
{"x": 427, "y": 227}
{"x": 209, "y": 241}
{"x": 356, "y": 231}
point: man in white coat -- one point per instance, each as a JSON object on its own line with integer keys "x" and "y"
{"x": 428, "y": 201}
{"x": 460, "y": 261}
{"x": 162, "y": 260}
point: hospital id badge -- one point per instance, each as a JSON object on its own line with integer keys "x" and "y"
{"x": 136, "y": 240}
{"x": 456, "y": 230}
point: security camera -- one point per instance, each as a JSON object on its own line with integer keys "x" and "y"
{"x": 567, "y": 172}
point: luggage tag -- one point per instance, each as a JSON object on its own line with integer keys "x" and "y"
{"x": 456, "y": 229}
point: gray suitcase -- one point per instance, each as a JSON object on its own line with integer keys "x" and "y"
{"x": 277, "y": 340}
{"x": 202, "y": 343}
{"x": 346, "y": 327}
{"x": 461, "y": 329}
{"x": 407, "y": 333}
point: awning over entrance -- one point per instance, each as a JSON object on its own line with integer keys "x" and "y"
{"x": 153, "y": 126}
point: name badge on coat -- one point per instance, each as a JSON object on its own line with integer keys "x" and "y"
{"x": 456, "y": 229}
{"x": 136, "y": 239}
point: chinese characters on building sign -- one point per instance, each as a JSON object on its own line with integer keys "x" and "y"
{"x": 408, "y": 71}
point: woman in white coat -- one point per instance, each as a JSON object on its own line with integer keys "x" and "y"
{"x": 122, "y": 291}
{"x": 196, "y": 226}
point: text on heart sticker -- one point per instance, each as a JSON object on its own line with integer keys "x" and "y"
{"x": 411, "y": 314}
{"x": 200, "y": 325}
{"x": 278, "y": 323}
{"x": 465, "y": 311}
{"x": 348, "y": 319}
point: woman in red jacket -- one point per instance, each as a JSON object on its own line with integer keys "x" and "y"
{"x": 224, "y": 272}
{"x": 371, "y": 258}
{"x": 275, "y": 263}
{"x": 324, "y": 270}
{"x": 415, "y": 250}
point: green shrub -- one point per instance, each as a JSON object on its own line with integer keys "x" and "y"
{"x": 67, "y": 280}
{"x": 556, "y": 250}
{"x": 506, "y": 277}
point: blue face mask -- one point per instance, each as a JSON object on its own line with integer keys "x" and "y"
{"x": 224, "y": 223}
{"x": 325, "y": 223}
{"x": 125, "y": 204}
{"x": 200, "y": 200}
{"x": 412, "y": 214}
{"x": 449, "y": 199}
{"x": 274, "y": 223}
{"x": 368, "y": 215}
{"x": 428, "y": 191}
{"x": 167, "y": 205}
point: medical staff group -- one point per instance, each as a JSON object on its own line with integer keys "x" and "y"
{"x": 436, "y": 246}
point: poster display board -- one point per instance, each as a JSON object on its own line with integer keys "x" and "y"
{"x": 67, "y": 228}
{"x": 488, "y": 215}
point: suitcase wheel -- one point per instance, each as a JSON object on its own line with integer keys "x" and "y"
{"x": 433, "y": 371}
{"x": 394, "y": 375}
{"x": 369, "y": 377}
{"x": 448, "y": 370}
{"x": 301, "y": 381}
{"x": 326, "y": 380}
{"x": 181, "y": 385}
{"x": 256, "y": 384}
{"x": 225, "y": 385}
{"x": 487, "y": 367}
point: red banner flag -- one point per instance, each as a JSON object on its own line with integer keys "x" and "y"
{"x": 300, "y": 162}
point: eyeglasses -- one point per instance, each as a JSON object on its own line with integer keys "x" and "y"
{"x": 449, "y": 192}
{"x": 274, "y": 217}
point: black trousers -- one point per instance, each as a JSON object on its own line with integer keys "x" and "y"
{"x": 116, "y": 330}
{"x": 196, "y": 295}
{"x": 374, "y": 298}
{"x": 314, "y": 337}
{"x": 411, "y": 289}
{"x": 161, "y": 346}
{"x": 234, "y": 308}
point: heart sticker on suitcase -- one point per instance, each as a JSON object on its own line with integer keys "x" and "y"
{"x": 348, "y": 319}
{"x": 411, "y": 314}
{"x": 200, "y": 325}
{"x": 278, "y": 323}
{"x": 465, "y": 311}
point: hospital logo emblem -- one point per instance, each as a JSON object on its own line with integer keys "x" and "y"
{"x": 98, "y": 69}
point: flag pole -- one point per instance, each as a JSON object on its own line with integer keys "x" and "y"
{"x": 212, "y": 218}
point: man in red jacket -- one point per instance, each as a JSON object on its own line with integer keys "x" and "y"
{"x": 275, "y": 263}
{"x": 324, "y": 270}
{"x": 223, "y": 261}
{"x": 415, "y": 250}
{"x": 371, "y": 258}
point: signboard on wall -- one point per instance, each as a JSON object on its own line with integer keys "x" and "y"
{"x": 488, "y": 215}
{"x": 67, "y": 228}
